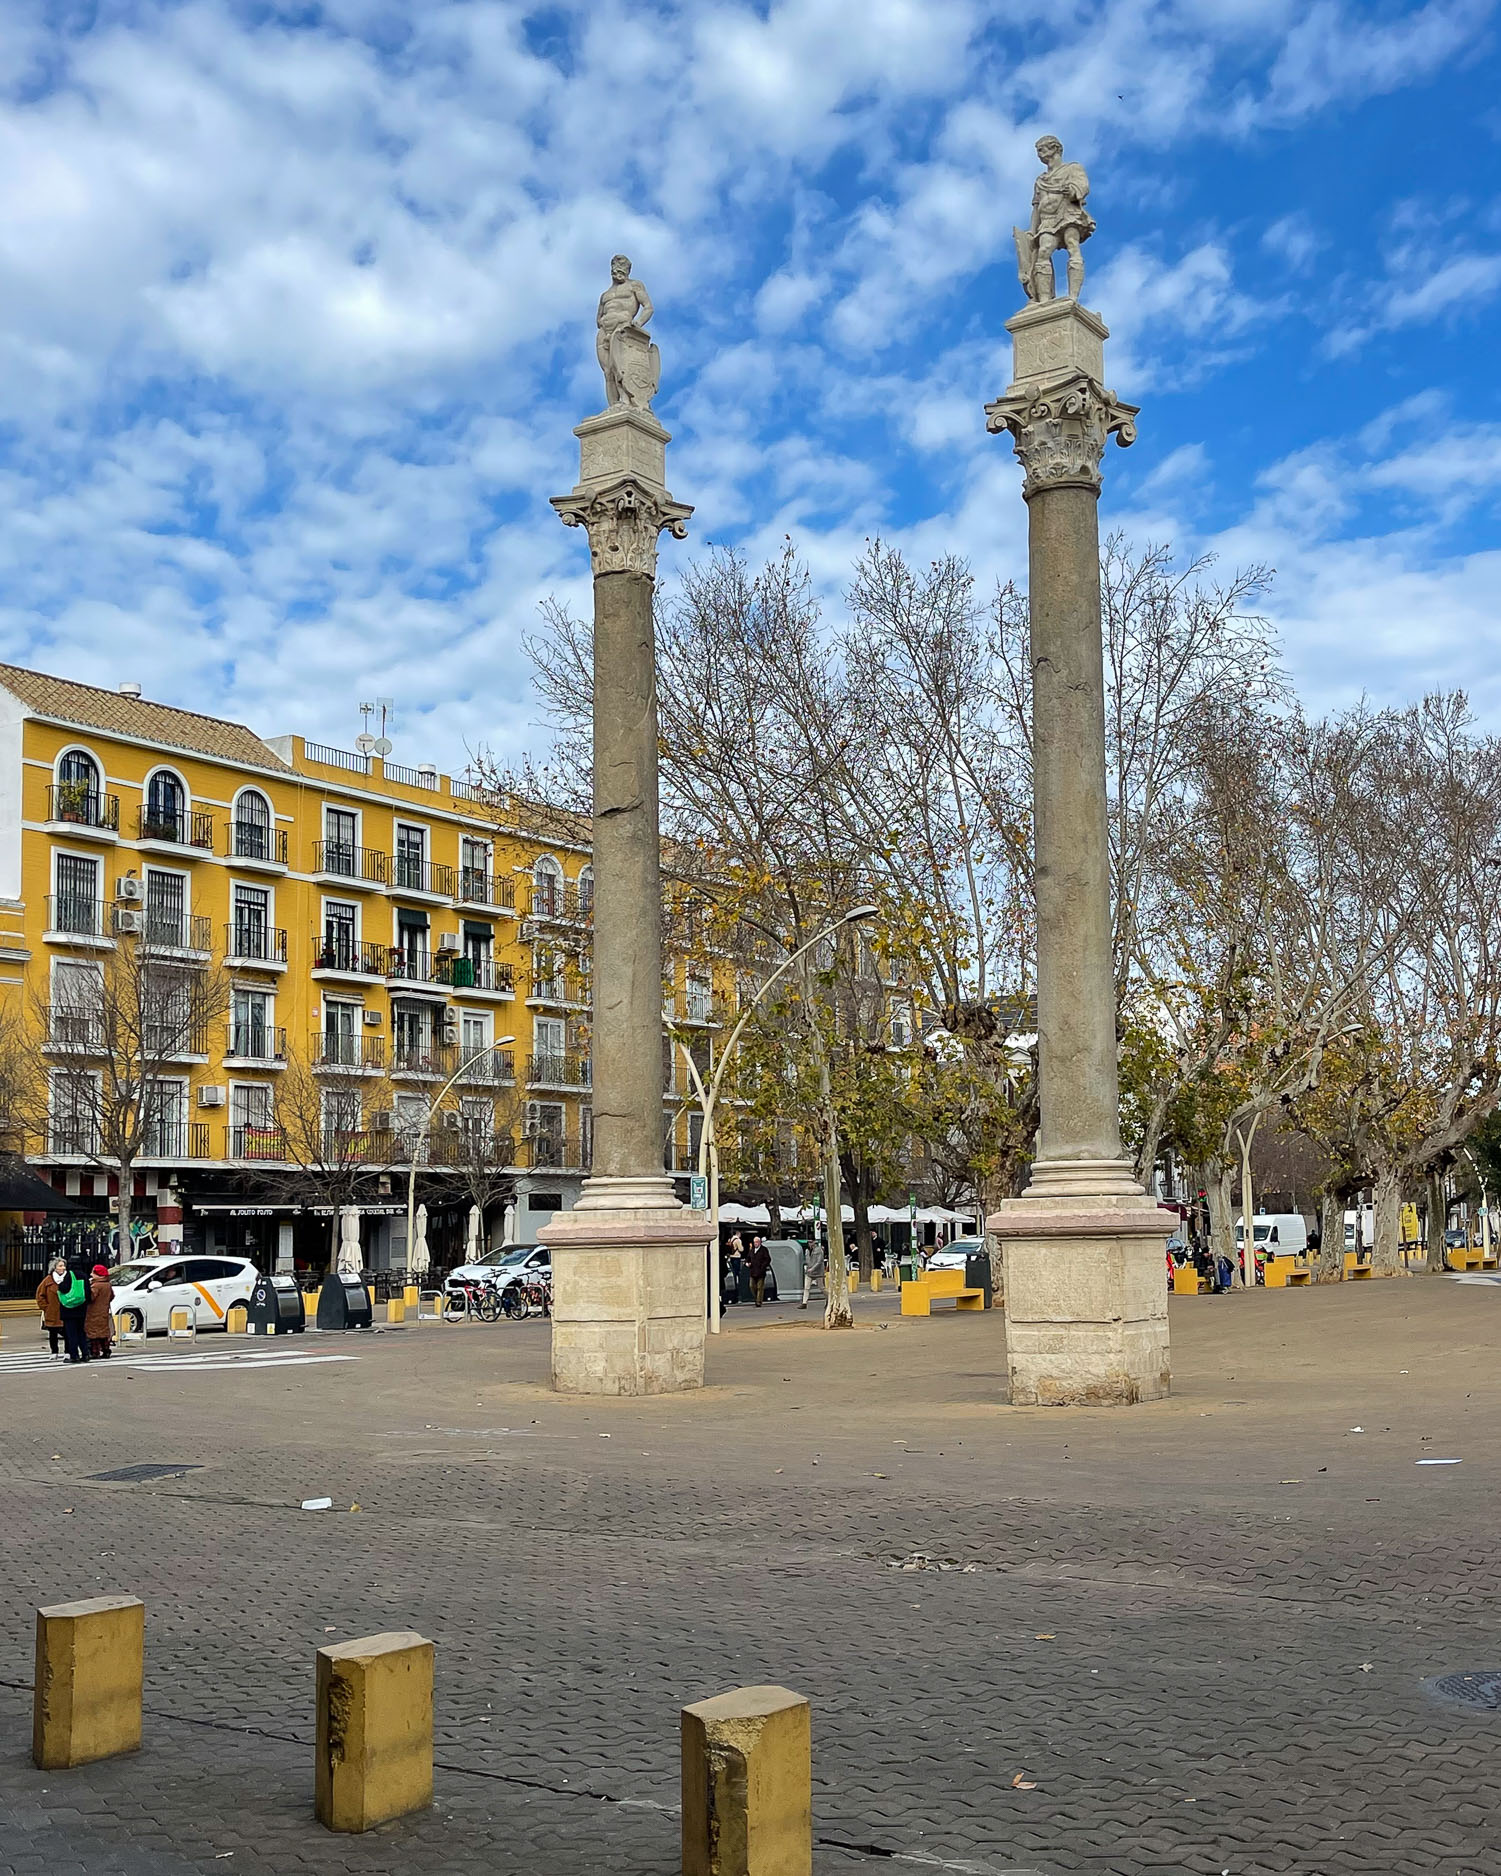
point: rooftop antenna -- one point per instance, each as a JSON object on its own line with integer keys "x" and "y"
{"x": 376, "y": 745}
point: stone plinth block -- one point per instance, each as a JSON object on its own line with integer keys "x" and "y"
{"x": 748, "y": 1785}
{"x": 375, "y": 1730}
{"x": 1057, "y": 338}
{"x": 620, "y": 443}
{"x": 1086, "y": 1299}
{"x": 87, "y": 1699}
{"x": 629, "y": 1293}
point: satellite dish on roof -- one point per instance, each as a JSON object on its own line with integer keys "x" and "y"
{"x": 364, "y": 742}
{"x": 382, "y": 745}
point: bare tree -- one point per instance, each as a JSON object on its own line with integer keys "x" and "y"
{"x": 330, "y": 1137}
{"x": 122, "y": 1029}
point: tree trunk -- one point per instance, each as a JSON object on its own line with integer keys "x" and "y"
{"x": 837, "y": 1312}
{"x": 1247, "y": 1259}
{"x": 1386, "y": 1258}
{"x": 127, "y": 1177}
{"x": 1219, "y": 1185}
{"x": 1331, "y": 1259}
{"x": 774, "y": 1209}
{"x": 854, "y": 1173}
{"x": 1438, "y": 1220}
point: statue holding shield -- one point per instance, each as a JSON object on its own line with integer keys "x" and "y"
{"x": 1059, "y": 220}
{"x": 631, "y": 363}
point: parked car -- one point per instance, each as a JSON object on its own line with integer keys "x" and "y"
{"x": 1456, "y": 1239}
{"x": 150, "y": 1288}
{"x": 953, "y": 1256}
{"x": 502, "y": 1267}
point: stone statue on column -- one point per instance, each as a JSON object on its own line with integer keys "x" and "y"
{"x": 630, "y": 361}
{"x": 1085, "y": 1289}
{"x": 1059, "y": 220}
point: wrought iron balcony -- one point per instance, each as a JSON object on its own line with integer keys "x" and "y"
{"x": 572, "y": 1069}
{"x": 344, "y": 860}
{"x": 179, "y": 827}
{"x": 477, "y": 886}
{"x": 252, "y": 840}
{"x": 249, "y": 940}
{"x": 165, "y": 928}
{"x": 256, "y": 1140}
{"x": 75, "y": 1029}
{"x": 170, "y": 1138}
{"x": 405, "y": 872}
{"x": 81, "y": 806}
{"x": 560, "y": 900}
{"x": 257, "y": 1042}
{"x": 79, "y": 917}
{"x": 332, "y": 951}
{"x": 330, "y": 1049}
{"x": 468, "y": 973}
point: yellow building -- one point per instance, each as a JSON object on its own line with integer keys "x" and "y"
{"x": 374, "y": 930}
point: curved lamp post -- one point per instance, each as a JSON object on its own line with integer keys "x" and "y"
{"x": 427, "y": 1126}
{"x": 708, "y": 1096}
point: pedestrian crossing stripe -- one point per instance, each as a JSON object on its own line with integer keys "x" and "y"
{"x": 25, "y": 1361}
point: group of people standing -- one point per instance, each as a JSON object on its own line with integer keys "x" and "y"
{"x": 76, "y": 1311}
{"x": 742, "y": 1272}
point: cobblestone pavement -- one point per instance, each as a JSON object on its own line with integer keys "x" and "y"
{"x": 1179, "y": 1640}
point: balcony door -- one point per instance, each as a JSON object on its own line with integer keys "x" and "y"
{"x": 341, "y": 1029}
{"x": 77, "y": 894}
{"x": 166, "y": 908}
{"x": 251, "y": 1025}
{"x": 339, "y": 841}
{"x": 339, "y": 946}
{"x": 252, "y": 922}
{"x": 166, "y": 808}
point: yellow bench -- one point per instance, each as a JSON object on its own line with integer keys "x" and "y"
{"x": 1354, "y": 1267}
{"x": 1466, "y": 1257}
{"x": 919, "y": 1296}
{"x": 1285, "y": 1273}
{"x": 1188, "y": 1282}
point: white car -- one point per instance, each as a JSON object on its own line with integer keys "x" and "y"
{"x": 502, "y": 1267}
{"x": 953, "y": 1256}
{"x": 149, "y": 1289}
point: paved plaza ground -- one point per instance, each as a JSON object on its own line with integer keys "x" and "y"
{"x": 1189, "y": 1638}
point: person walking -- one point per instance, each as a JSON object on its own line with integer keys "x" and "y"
{"x": 73, "y": 1295}
{"x": 758, "y": 1263}
{"x": 51, "y": 1308}
{"x": 736, "y": 1269}
{"x": 98, "y": 1323}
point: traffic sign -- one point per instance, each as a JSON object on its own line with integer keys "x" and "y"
{"x": 698, "y": 1192}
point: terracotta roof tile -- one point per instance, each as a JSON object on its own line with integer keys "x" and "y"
{"x": 88, "y": 707}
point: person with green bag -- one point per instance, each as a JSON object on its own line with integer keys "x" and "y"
{"x": 73, "y": 1295}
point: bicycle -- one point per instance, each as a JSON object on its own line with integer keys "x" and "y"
{"x": 472, "y": 1299}
{"x": 527, "y": 1297}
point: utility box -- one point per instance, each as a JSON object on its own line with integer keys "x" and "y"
{"x": 276, "y": 1307}
{"x": 979, "y": 1276}
{"x": 344, "y": 1303}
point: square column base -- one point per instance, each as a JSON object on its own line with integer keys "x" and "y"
{"x": 630, "y": 1291}
{"x": 1086, "y": 1299}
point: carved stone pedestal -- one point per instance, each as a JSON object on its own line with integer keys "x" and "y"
{"x": 628, "y": 1268}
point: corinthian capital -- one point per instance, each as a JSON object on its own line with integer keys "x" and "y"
{"x": 1060, "y": 430}
{"x": 623, "y": 522}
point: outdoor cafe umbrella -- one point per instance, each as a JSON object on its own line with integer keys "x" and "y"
{"x": 351, "y": 1263}
{"x": 421, "y": 1261}
{"x": 476, "y": 1224}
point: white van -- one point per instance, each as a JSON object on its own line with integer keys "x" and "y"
{"x": 1282, "y": 1234}
{"x": 1360, "y": 1223}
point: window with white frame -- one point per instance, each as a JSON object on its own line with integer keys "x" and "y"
{"x": 166, "y": 1116}
{"x": 250, "y": 1025}
{"x": 252, "y": 826}
{"x": 73, "y": 1112}
{"x": 76, "y": 903}
{"x": 77, "y": 1004}
{"x": 547, "y": 887}
{"x": 411, "y": 857}
{"x": 474, "y": 870}
{"x": 340, "y": 841}
{"x": 251, "y": 936}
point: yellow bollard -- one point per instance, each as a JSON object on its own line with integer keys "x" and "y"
{"x": 87, "y": 1699}
{"x": 412, "y": 1296}
{"x": 371, "y": 1288}
{"x": 875, "y": 1282}
{"x": 375, "y": 1730}
{"x": 396, "y": 1310}
{"x": 237, "y": 1320}
{"x": 748, "y": 1784}
{"x": 182, "y": 1325}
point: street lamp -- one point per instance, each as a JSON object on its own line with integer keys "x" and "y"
{"x": 708, "y": 1097}
{"x": 463, "y": 1069}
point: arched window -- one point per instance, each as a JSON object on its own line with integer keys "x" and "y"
{"x": 165, "y": 815}
{"x": 586, "y": 892}
{"x": 77, "y": 796}
{"x": 252, "y": 826}
{"x": 547, "y": 888}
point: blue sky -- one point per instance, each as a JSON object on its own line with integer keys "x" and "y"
{"x": 296, "y": 308}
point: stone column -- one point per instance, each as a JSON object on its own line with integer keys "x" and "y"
{"x": 629, "y": 1305}
{"x": 1086, "y": 1290}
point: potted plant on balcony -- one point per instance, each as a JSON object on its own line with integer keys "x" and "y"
{"x": 73, "y": 802}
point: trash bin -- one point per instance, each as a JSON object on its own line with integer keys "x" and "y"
{"x": 978, "y": 1275}
{"x": 276, "y": 1307}
{"x": 343, "y": 1303}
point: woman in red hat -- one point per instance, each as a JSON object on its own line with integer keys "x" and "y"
{"x": 98, "y": 1322}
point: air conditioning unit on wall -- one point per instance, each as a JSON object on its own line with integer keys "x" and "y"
{"x": 212, "y": 1097}
{"x": 372, "y": 1019}
{"x": 128, "y": 924}
{"x": 130, "y": 889}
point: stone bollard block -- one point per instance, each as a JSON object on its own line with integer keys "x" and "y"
{"x": 375, "y": 1730}
{"x": 237, "y": 1320}
{"x": 748, "y": 1785}
{"x": 411, "y": 1296}
{"x": 396, "y": 1310}
{"x": 87, "y": 1699}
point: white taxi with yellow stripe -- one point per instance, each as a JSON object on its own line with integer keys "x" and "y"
{"x": 149, "y": 1289}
